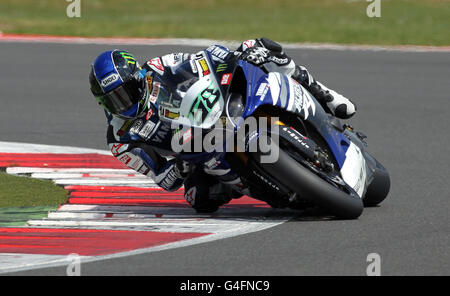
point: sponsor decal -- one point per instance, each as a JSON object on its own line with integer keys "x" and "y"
{"x": 303, "y": 101}
{"x": 182, "y": 136}
{"x": 131, "y": 160}
{"x": 218, "y": 52}
{"x": 193, "y": 66}
{"x": 168, "y": 113}
{"x": 161, "y": 132}
{"x": 125, "y": 158}
{"x": 124, "y": 128}
{"x": 199, "y": 55}
{"x": 226, "y": 78}
{"x": 136, "y": 127}
{"x": 173, "y": 60}
{"x": 128, "y": 57}
{"x": 169, "y": 180}
{"x": 171, "y": 115}
{"x": 109, "y": 80}
{"x": 155, "y": 92}
{"x": 212, "y": 163}
{"x": 118, "y": 148}
{"x": 261, "y": 89}
{"x": 204, "y": 66}
{"x": 144, "y": 169}
{"x": 278, "y": 61}
{"x": 221, "y": 67}
{"x": 149, "y": 114}
{"x": 147, "y": 130}
{"x": 190, "y": 195}
{"x": 278, "y": 88}
{"x": 135, "y": 163}
{"x": 204, "y": 104}
{"x": 295, "y": 136}
{"x": 187, "y": 136}
{"x": 247, "y": 44}
{"x": 156, "y": 65}
{"x": 265, "y": 180}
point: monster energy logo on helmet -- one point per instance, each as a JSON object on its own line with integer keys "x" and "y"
{"x": 128, "y": 57}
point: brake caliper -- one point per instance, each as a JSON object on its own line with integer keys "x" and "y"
{"x": 321, "y": 160}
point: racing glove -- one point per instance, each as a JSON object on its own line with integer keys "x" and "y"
{"x": 266, "y": 54}
{"x": 259, "y": 56}
{"x": 182, "y": 168}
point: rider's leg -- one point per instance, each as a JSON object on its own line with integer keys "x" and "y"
{"x": 333, "y": 102}
{"x": 204, "y": 192}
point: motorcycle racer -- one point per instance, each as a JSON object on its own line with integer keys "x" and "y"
{"x": 138, "y": 138}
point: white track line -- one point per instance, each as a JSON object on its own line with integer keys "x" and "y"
{"x": 31, "y": 170}
{"x": 112, "y": 175}
{"x": 124, "y": 209}
{"x": 107, "y": 182}
{"x": 208, "y": 42}
{"x": 15, "y": 147}
{"x": 101, "y": 216}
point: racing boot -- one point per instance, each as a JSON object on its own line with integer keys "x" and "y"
{"x": 204, "y": 193}
{"x": 331, "y": 101}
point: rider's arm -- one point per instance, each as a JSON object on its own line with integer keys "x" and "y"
{"x": 144, "y": 159}
{"x": 275, "y": 60}
{"x": 267, "y": 54}
{"x": 168, "y": 62}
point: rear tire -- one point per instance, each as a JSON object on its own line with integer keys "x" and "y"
{"x": 379, "y": 188}
{"x": 313, "y": 188}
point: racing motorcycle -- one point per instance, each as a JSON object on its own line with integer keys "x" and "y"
{"x": 319, "y": 161}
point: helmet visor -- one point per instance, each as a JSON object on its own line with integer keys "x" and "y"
{"x": 123, "y": 97}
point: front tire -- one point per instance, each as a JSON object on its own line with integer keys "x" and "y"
{"x": 313, "y": 188}
{"x": 378, "y": 189}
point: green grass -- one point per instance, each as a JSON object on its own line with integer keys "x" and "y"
{"x": 27, "y": 192}
{"x": 416, "y": 22}
{"x": 18, "y": 216}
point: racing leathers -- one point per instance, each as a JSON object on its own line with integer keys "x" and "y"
{"x": 144, "y": 143}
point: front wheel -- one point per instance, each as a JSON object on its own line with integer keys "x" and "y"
{"x": 312, "y": 188}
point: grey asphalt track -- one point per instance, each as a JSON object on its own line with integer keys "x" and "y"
{"x": 403, "y": 106}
